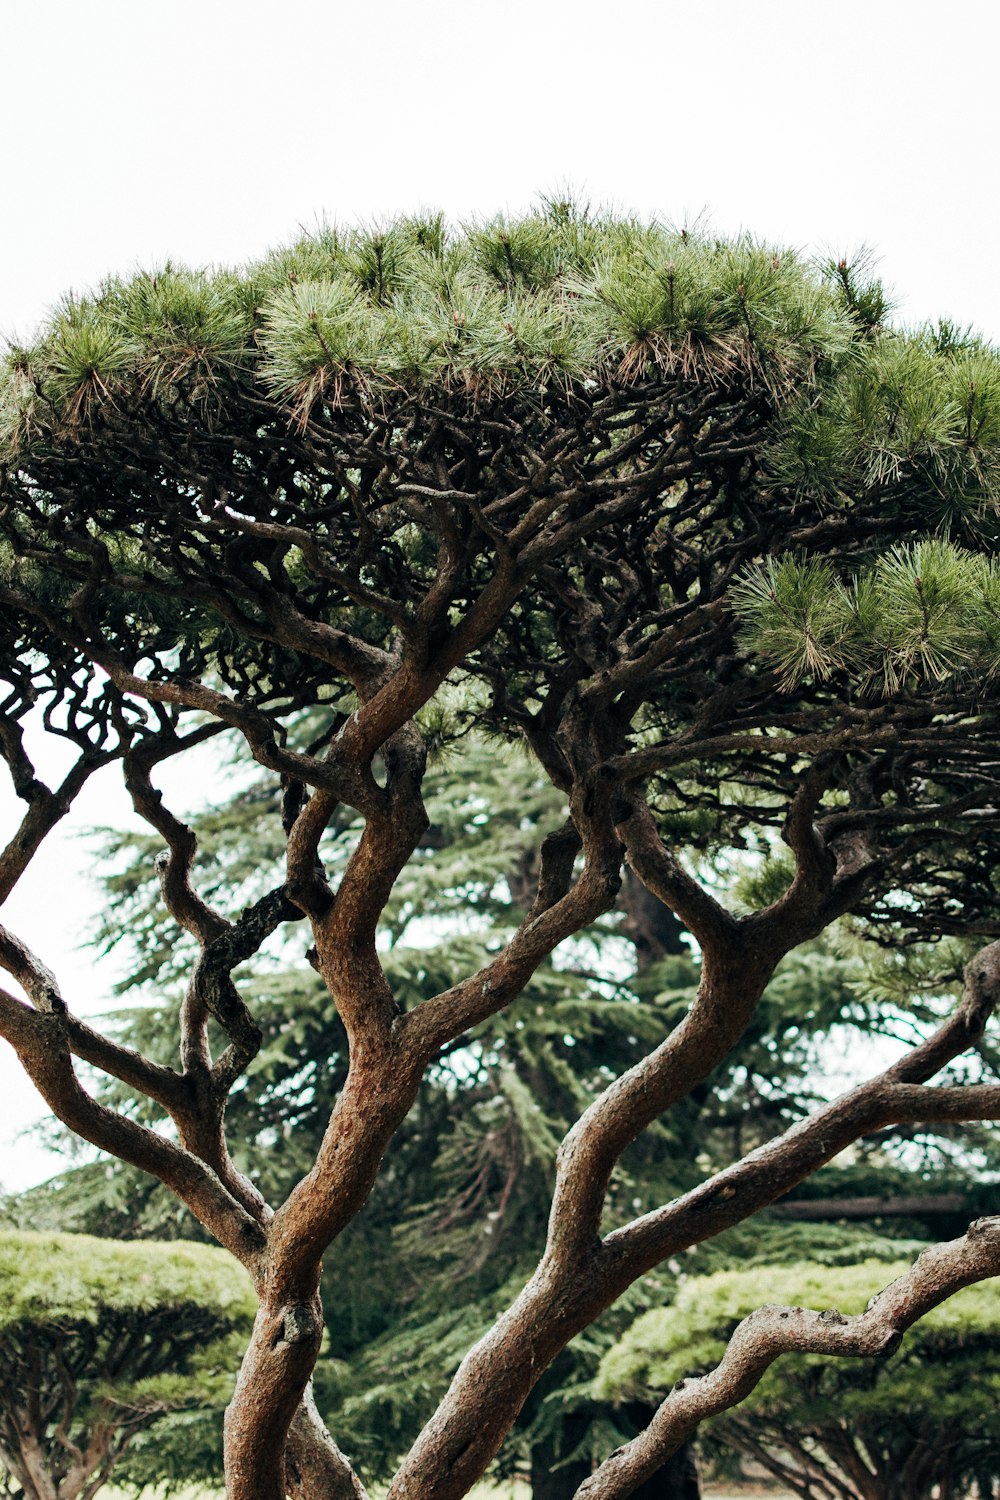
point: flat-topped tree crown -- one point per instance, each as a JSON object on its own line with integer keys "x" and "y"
{"x": 680, "y": 514}
{"x": 99, "y": 1341}
{"x": 186, "y": 405}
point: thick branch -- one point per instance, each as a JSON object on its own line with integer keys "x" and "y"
{"x": 307, "y": 884}
{"x": 555, "y": 915}
{"x": 662, "y": 873}
{"x": 892, "y": 1097}
{"x": 315, "y": 1467}
{"x": 161, "y": 1084}
{"x": 41, "y": 1042}
{"x": 580, "y": 1276}
{"x": 124, "y": 1063}
{"x": 772, "y": 1331}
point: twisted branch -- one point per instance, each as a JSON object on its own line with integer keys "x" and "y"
{"x": 770, "y": 1332}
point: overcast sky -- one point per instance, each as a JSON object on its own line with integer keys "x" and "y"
{"x": 210, "y": 131}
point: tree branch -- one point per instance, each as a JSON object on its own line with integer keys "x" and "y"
{"x": 555, "y": 914}
{"x": 174, "y": 867}
{"x": 770, "y": 1332}
{"x": 580, "y": 1276}
{"x": 45, "y": 809}
{"x": 775, "y": 1168}
{"x": 662, "y": 873}
{"x": 40, "y": 1040}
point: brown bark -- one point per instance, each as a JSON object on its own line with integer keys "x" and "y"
{"x": 28, "y": 1464}
{"x": 772, "y": 1331}
{"x": 579, "y": 1276}
{"x": 315, "y": 1468}
{"x": 273, "y": 1380}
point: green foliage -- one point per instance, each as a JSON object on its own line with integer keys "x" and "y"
{"x": 936, "y": 1396}
{"x": 100, "y": 1339}
{"x": 859, "y": 291}
{"x": 522, "y": 305}
{"x": 181, "y": 1449}
{"x": 919, "y": 411}
{"x": 559, "y": 299}
{"x": 45, "y": 1277}
{"x": 923, "y": 612}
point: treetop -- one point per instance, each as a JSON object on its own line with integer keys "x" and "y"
{"x": 512, "y": 307}
{"x": 689, "y": 500}
{"x": 48, "y": 1277}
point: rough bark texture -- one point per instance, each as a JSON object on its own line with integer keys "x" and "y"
{"x": 315, "y": 1467}
{"x": 773, "y": 1331}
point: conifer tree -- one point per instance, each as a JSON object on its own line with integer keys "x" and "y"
{"x": 684, "y": 519}
{"x": 99, "y": 1341}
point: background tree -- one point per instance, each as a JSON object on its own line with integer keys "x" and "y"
{"x": 919, "y": 1424}
{"x": 99, "y": 1340}
{"x": 568, "y": 467}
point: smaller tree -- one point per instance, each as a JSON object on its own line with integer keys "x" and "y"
{"x": 925, "y": 1422}
{"x": 99, "y": 1339}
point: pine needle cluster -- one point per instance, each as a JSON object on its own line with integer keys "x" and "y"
{"x": 921, "y": 613}
{"x": 547, "y": 302}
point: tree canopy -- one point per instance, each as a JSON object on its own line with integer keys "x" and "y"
{"x": 99, "y": 1340}
{"x": 681, "y": 517}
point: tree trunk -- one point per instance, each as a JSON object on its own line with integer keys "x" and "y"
{"x": 29, "y": 1465}
{"x": 274, "y": 1377}
{"x": 315, "y": 1467}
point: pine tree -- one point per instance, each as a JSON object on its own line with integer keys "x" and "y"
{"x": 101, "y": 1341}
{"x": 679, "y": 516}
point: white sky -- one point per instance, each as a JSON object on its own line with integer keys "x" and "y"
{"x": 209, "y": 131}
